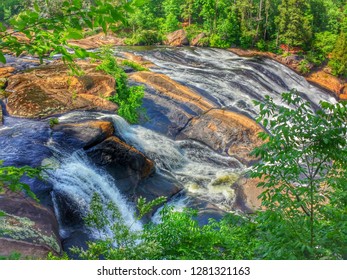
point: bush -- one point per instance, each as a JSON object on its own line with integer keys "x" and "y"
{"x": 128, "y": 98}
{"x": 145, "y": 38}
{"x": 217, "y": 42}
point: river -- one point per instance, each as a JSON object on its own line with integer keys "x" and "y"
{"x": 224, "y": 79}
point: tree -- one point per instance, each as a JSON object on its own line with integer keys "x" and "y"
{"x": 294, "y": 22}
{"x": 338, "y": 60}
{"x": 303, "y": 168}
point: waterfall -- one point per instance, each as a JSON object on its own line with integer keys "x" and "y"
{"x": 77, "y": 179}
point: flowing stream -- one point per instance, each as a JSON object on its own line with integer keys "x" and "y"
{"x": 223, "y": 78}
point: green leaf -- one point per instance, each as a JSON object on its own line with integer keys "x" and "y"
{"x": 2, "y": 58}
{"x": 74, "y": 34}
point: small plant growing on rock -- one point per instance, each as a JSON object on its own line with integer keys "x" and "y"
{"x": 53, "y": 122}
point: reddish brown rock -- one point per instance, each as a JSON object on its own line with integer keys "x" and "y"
{"x": 27, "y": 228}
{"x": 177, "y": 38}
{"x": 328, "y": 81}
{"x": 248, "y": 193}
{"x": 197, "y": 41}
{"x": 50, "y": 90}
{"x": 139, "y": 59}
{"x": 5, "y": 72}
{"x": 172, "y": 89}
{"x": 98, "y": 40}
{"x": 226, "y": 132}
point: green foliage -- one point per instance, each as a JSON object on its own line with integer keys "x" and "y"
{"x": 303, "y": 167}
{"x": 128, "y": 98}
{"x": 53, "y": 122}
{"x": 338, "y": 61}
{"x": 120, "y": 241}
{"x": 178, "y": 236}
{"x": 10, "y": 177}
{"x": 48, "y": 33}
{"x": 134, "y": 65}
{"x": 217, "y": 42}
{"x": 304, "y": 66}
{"x": 294, "y": 22}
{"x": 145, "y": 38}
{"x": 12, "y": 256}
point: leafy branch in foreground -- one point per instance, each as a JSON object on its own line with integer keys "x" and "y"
{"x": 10, "y": 177}
{"x": 303, "y": 168}
{"x": 32, "y": 33}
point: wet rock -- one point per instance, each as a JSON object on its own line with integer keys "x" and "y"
{"x": 197, "y": 41}
{"x": 158, "y": 185}
{"x": 172, "y": 89}
{"x": 225, "y": 132}
{"x": 139, "y": 59}
{"x": 177, "y": 38}
{"x": 98, "y": 40}
{"x": 28, "y": 228}
{"x": 123, "y": 162}
{"x": 247, "y": 194}
{"x": 52, "y": 90}
{"x": 82, "y": 135}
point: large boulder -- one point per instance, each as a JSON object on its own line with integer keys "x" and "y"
{"x": 83, "y": 134}
{"x": 27, "y": 228}
{"x": 51, "y": 89}
{"x": 172, "y": 89}
{"x": 177, "y": 38}
{"x": 98, "y": 40}
{"x": 123, "y": 162}
{"x": 225, "y": 132}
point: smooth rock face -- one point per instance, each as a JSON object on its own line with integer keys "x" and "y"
{"x": 51, "y": 90}
{"x": 28, "y": 228}
{"x": 82, "y": 135}
{"x": 98, "y": 40}
{"x": 177, "y": 38}
{"x": 225, "y": 132}
{"x": 123, "y": 162}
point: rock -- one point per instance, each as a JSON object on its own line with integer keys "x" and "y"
{"x": 6, "y": 72}
{"x": 172, "y": 89}
{"x": 82, "y": 135}
{"x": 27, "y": 228}
{"x": 52, "y": 90}
{"x": 123, "y": 162}
{"x": 225, "y": 132}
{"x": 177, "y": 38}
{"x": 330, "y": 82}
{"x": 247, "y": 194}
{"x": 98, "y": 40}
{"x": 196, "y": 42}
{"x": 139, "y": 59}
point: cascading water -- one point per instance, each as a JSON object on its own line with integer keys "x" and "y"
{"x": 228, "y": 80}
{"x": 223, "y": 78}
{"x": 77, "y": 179}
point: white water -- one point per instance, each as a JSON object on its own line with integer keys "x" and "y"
{"x": 77, "y": 179}
{"x": 229, "y": 80}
